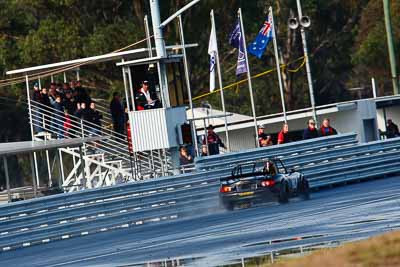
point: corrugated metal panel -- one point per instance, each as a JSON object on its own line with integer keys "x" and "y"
{"x": 156, "y": 128}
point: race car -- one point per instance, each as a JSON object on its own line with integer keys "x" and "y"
{"x": 264, "y": 180}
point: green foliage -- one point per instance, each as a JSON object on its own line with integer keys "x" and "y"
{"x": 53, "y": 41}
{"x": 370, "y": 57}
{"x": 346, "y": 41}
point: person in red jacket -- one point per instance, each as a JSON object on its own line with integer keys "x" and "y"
{"x": 283, "y": 136}
{"x": 326, "y": 128}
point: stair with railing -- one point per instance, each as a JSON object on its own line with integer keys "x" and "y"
{"x": 107, "y": 161}
{"x": 152, "y": 160}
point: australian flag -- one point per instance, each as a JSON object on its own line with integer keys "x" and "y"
{"x": 265, "y": 35}
{"x": 236, "y": 40}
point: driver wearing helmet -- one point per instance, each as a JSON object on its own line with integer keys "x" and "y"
{"x": 269, "y": 168}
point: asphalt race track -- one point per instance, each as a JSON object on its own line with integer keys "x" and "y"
{"x": 214, "y": 236}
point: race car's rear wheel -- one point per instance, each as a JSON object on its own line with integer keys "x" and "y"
{"x": 283, "y": 196}
{"x": 304, "y": 191}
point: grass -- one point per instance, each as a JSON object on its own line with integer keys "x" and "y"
{"x": 380, "y": 251}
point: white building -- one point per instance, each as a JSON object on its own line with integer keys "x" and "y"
{"x": 365, "y": 117}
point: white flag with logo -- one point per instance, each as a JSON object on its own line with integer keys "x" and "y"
{"x": 212, "y": 51}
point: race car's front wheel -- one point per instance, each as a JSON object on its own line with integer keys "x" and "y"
{"x": 283, "y": 196}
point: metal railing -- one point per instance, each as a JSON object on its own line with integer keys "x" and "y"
{"x": 293, "y": 148}
{"x": 142, "y": 164}
{"x": 168, "y": 198}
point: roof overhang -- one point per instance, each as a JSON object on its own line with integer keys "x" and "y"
{"x": 150, "y": 60}
{"x": 139, "y": 53}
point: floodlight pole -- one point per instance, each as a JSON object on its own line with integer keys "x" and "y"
{"x": 308, "y": 68}
{"x": 391, "y": 47}
{"x": 160, "y": 43}
{"x": 160, "y": 49}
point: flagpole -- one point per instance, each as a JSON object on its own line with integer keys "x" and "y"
{"x": 185, "y": 65}
{"x": 249, "y": 78}
{"x": 278, "y": 67}
{"x": 220, "y": 80}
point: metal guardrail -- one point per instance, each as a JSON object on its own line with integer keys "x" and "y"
{"x": 306, "y": 146}
{"x": 103, "y": 194}
{"x": 129, "y": 205}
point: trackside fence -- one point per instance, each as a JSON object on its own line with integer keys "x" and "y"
{"x": 340, "y": 160}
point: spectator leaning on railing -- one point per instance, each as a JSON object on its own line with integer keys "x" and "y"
{"x": 213, "y": 140}
{"x": 326, "y": 129}
{"x": 264, "y": 140}
{"x": 283, "y": 135}
{"x": 66, "y": 107}
{"x": 310, "y": 132}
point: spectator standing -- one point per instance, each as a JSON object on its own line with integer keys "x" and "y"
{"x": 72, "y": 86}
{"x": 283, "y": 135}
{"x": 66, "y": 89}
{"x": 69, "y": 103}
{"x": 263, "y": 139}
{"x": 145, "y": 99}
{"x": 117, "y": 113}
{"x": 36, "y": 93}
{"x": 52, "y": 92}
{"x": 94, "y": 117}
{"x": 46, "y": 105}
{"x": 392, "y": 130}
{"x": 78, "y": 111}
{"x": 84, "y": 112}
{"x": 326, "y": 128}
{"x": 59, "y": 90}
{"x": 213, "y": 140}
{"x": 310, "y": 132}
{"x": 81, "y": 94}
{"x": 58, "y": 117}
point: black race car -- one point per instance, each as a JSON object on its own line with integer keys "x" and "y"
{"x": 262, "y": 181}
